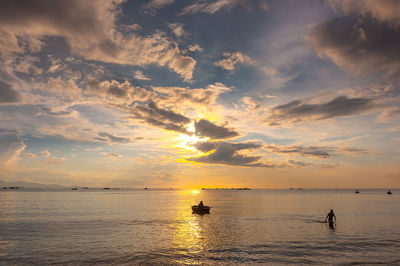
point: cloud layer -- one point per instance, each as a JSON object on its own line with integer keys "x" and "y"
{"x": 91, "y": 31}
{"x": 296, "y": 111}
{"x": 205, "y": 128}
{"x": 227, "y": 153}
{"x": 365, "y": 40}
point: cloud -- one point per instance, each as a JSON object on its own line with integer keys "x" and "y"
{"x": 162, "y": 107}
{"x": 11, "y": 147}
{"x": 64, "y": 89}
{"x": 44, "y": 153}
{"x": 227, "y": 153}
{"x": 383, "y": 11}
{"x": 140, "y": 76}
{"x": 89, "y": 20}
{"x": 296, "y": 111}
{"x": 152, "y": 6}
{"x": 299, "y": 164}
{"x": 390, "y": 113}
{"x": 114, "y": 92}
{"x": 8, "y": 94}
{"x": 205, "y": 128}
{"x": 111, "y": 155}
{"x": 94, "y": 149}
{"x": 195, "y": 47}
{"x": 314, "y": 151}
{"x": 294, "y": 163}
{"x": 177, "y": 29}
{"x": 91, "y": 31}
{"x": 358, "y": 44}
{"x": 160, "y": 117}
{"x": 231, "y": 59}
{"x": 54, "y": 160}
{"x": 192, "y": 97}
{"x": 50, "y": 111}
{"x": 251, "y": 103}
{"x": 212, "y": 7}
{"x": 29, "y": 155}
{"x": 106, "y": 137}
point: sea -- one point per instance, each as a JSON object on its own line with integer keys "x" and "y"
{"x": 157, "y": 227}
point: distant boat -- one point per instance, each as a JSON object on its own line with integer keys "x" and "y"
{"x": 201, "y": 209}
{"x": 74, "y": 188}
{"x": 245, "y": 188}
{"x": 356, "y": 191}
{"x": 107, "y": 188}
{"x": 145, "y": 188}
{"x": 389, "y": 192}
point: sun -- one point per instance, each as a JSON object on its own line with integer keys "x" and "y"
{"x": 186, "y": 142}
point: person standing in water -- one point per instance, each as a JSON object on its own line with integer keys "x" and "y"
{"x": 330, "y": 217}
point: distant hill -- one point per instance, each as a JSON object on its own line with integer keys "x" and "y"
{"x": 28, "y": 184}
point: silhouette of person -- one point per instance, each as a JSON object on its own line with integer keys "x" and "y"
{"x": 201, "y": 204}
{"x": 330, "y": 217}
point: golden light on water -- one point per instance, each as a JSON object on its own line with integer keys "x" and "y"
{"x": 189, "y": 235}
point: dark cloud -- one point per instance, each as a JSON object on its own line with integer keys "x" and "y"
{"x": 353, "y": 151}
{"x": 294, "y": 163}
{"x": 205, "y": 128}
{"x": 360, "y": 44}
{"x": 297, "y": 111}
{"x": 7, "y": 94}
{"x": 312, "y": 151}
{"x": 72, "y": 17}
{"x": 103, "y": 136}
{"x": 227, "y": 153}
{"x": 117, "y": 91}
{"x": 164, "y": 118}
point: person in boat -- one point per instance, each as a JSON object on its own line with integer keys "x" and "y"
{"x": 330, "y": 217}
{"x": 201, "y": 205}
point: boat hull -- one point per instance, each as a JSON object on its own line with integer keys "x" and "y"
{"x": 201, "y": 209}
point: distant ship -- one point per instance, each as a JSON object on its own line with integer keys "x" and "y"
{"x": 389, "y": 192}
{"x": 245, "y": 188}
{"x": 357, "y": 191}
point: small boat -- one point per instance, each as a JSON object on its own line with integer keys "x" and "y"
{"x": 357, "y": 191}
{"x": 74, "y": 188}
{"x": 201, "y": 209}
{"x": 389, "y": 192}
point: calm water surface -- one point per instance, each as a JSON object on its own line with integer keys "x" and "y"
{"x": 157, "y": 227}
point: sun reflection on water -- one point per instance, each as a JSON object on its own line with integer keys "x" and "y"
{"x": 190, "y": 238}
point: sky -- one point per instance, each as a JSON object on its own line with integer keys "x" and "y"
{"x": 208, "y": 93}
